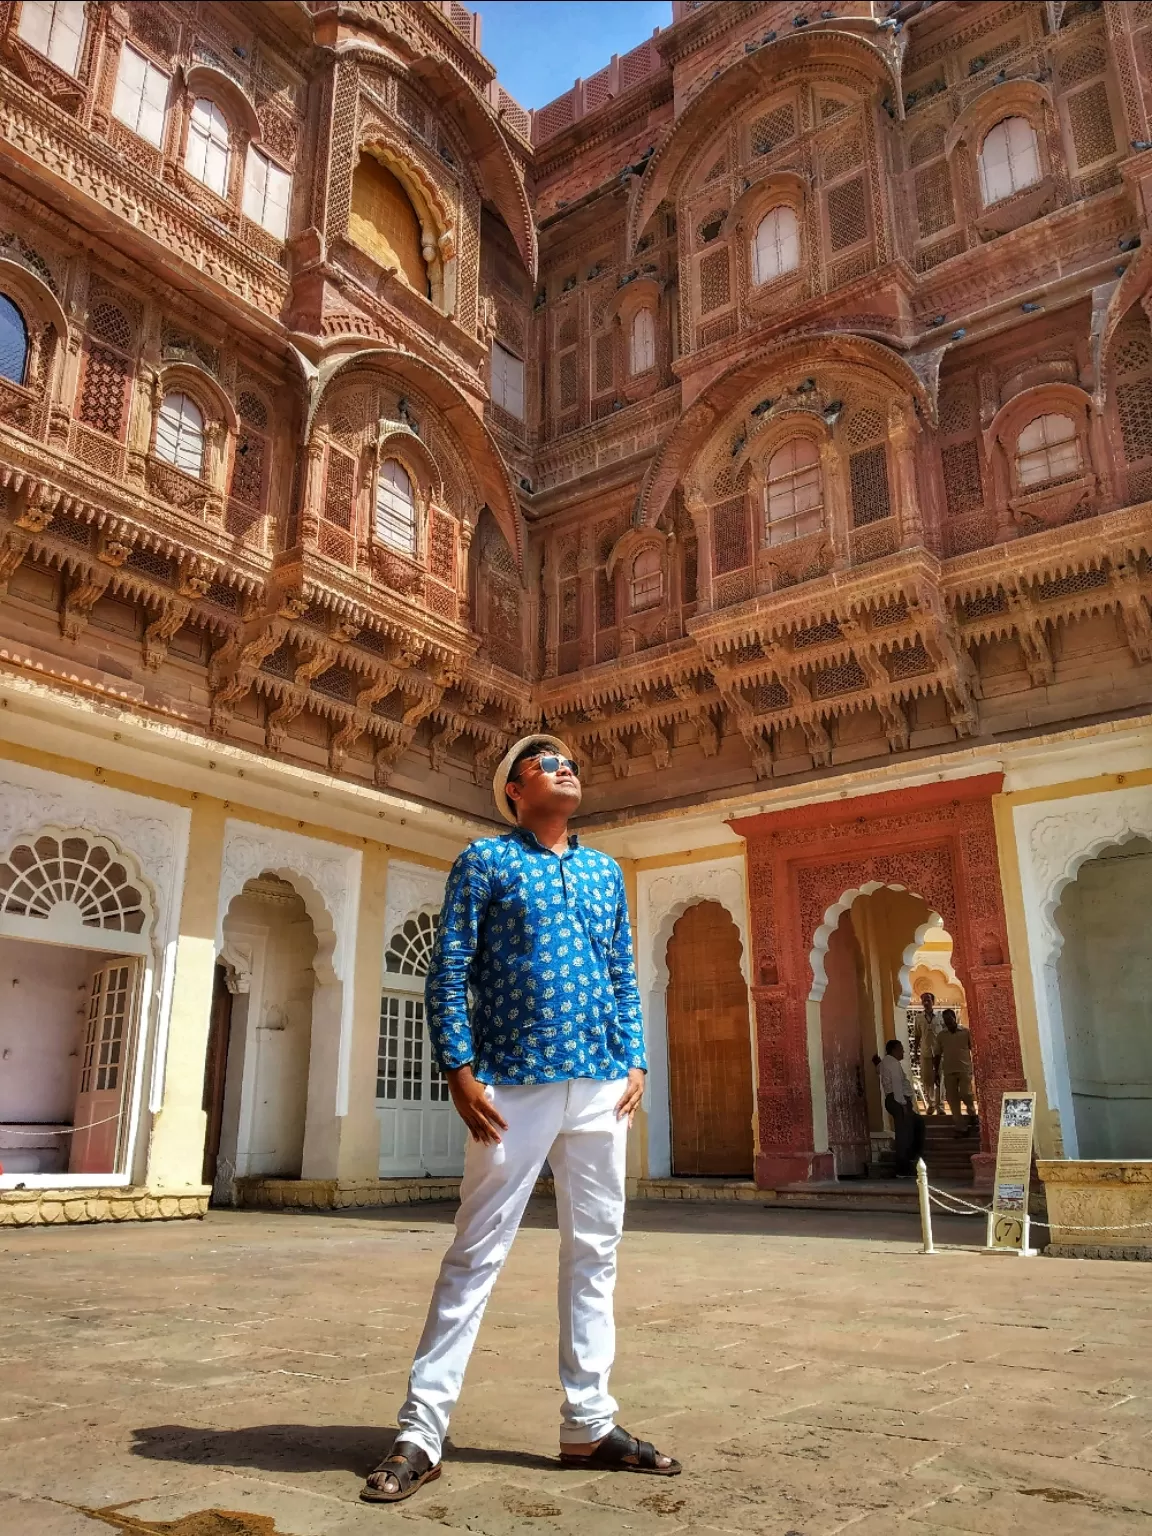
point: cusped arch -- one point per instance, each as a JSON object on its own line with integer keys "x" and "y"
{"x": 817, "y": 955}
{"x": 1070, "y": 869}
{"x": 68, "y": 885}
{"x": 432, "y": 210}
{"x": 494, "y": 167}
{"x": 873, "y": 363}
{"x": 670, "y": 896}
{"x": 735, "y": 85}
{"x": 323, "y": 923}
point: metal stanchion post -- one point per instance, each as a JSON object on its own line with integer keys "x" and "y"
{"x": 925, "y": 1205}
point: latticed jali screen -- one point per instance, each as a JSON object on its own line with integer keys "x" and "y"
{"x": 730, "y": 541}
{"x": 868, "y": 482}
{"x": 847, "y": 215}
{"x": 715, "y": 281}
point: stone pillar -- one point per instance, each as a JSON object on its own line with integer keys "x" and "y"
{"x": 786, "y": 1151}
{"x": 698, "y": 512}
{"x": 359, "y": 1150}
{"x": 176, "y": 1152}
{"x": 903, "y": 431}
{"x": 987, "y": 977}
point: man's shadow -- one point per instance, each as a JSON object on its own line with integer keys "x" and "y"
{"x": 302, "y": 1448}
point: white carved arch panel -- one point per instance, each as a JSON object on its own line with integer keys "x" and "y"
{"x": 1054, "y": 838}
{"x": 668, "y": 895}
{"x": 150, "y": 839}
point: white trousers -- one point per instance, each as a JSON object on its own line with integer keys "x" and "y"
{"x": 574, "y": 1126}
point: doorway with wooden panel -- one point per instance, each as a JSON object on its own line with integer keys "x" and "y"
{"x": 709, "y": 1047}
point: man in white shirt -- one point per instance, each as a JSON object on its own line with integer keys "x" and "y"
{"x": 898, "y": 1101}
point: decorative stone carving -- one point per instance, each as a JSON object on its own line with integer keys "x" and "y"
{"x": 326, "y": 875}
{"x": 412, "y": 888}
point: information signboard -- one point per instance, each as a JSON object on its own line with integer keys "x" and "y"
{"x": 1008, "y": 1222}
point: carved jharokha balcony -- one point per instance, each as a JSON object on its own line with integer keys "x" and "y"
{"x": 879, "y": 637}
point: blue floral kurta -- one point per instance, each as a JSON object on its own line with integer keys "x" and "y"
{"x": 542, "y": 942}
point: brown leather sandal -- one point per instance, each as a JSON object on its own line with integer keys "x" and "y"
{"x": 409, "y": 1467}
{"x": 621, "y": 1452}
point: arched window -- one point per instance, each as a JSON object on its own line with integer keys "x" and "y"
{"x": 180, "y": 434}
{"x": 267, "y": 193}
{"x": 1009, "y": 159}
{"x": 383, "y": 222}
{"x": 409, "y": 951}
{"x": 776, "y": 248}
{"x": 646, "y": 586}
{"x": 795, "y": 502}
{"x": 1047, "y": 449}
{"x": 13, "y": 342}
{"x": 207, "y": 154}
{"x": 54, "y": 28}
{"x": 643, "y": 341}
{"x": 395, "y": 508}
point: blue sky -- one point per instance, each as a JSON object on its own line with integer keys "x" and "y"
{"x": 540, "y": 46}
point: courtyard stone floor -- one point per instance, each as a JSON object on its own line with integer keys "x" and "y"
{"x": 814, "y": 1371}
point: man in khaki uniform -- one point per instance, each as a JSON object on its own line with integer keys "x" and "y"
{"x": 930, "y": 1027}
{"x": 955, "y": 1058}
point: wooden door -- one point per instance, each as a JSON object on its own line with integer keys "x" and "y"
{"x": 841, "y": 1033}
{"x": 105, "y": 1069}
{"x": 709, "y": 1046}
{"x": 215, "y": 1070}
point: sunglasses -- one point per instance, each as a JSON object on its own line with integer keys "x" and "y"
{"x": 553, "y": 764}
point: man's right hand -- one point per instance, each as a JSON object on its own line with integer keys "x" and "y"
{"x": 481, "y": 1117}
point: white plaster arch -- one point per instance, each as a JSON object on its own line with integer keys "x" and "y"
{"x": 671, "y": 893}
{"x": 327, "y": 878}
{"x": 154, "y": 835}
{"x": 1054, "y": 838}
{"x": 663, "y": 896}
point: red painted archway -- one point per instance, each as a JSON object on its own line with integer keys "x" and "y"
{"x": 938, "y": 841}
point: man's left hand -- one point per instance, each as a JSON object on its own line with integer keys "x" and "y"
{"x": 634, "y": 1092}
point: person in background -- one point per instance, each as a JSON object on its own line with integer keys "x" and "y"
{"x": 956, "y": 1071}
{"x": 930, "y": 1027}
{"x": 534, "y": 1018}
{"x": 898, "y": 1101}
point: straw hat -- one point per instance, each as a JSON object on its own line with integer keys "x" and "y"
{"x": 501, "y": 777}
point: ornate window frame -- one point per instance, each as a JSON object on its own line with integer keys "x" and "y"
{"x": 1052, "y": 501}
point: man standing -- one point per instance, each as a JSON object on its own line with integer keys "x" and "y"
{"x": 930, "y": 1027}
{"x": 907, "y": 1125}
{"x": 956, "y": 1071}
{"x": 547, "y": 1064}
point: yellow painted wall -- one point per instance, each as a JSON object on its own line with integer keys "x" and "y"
{"x": 175, "y": 1152}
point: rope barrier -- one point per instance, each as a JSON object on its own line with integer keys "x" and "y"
{"x": 966, "y": 1206}
{"x": 67, "y": 1130}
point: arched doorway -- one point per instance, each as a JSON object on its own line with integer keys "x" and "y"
{"x": 420, "y": 1132}
{"x": 709, "y": 1046}
{"x": 1105, "y": 978}
{"x": 268, "y": 953}
{"x": 76, "y": 960}
{"x": 873, "y": 945}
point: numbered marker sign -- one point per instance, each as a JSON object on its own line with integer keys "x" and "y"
{"x": 1013, "y": 1169}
